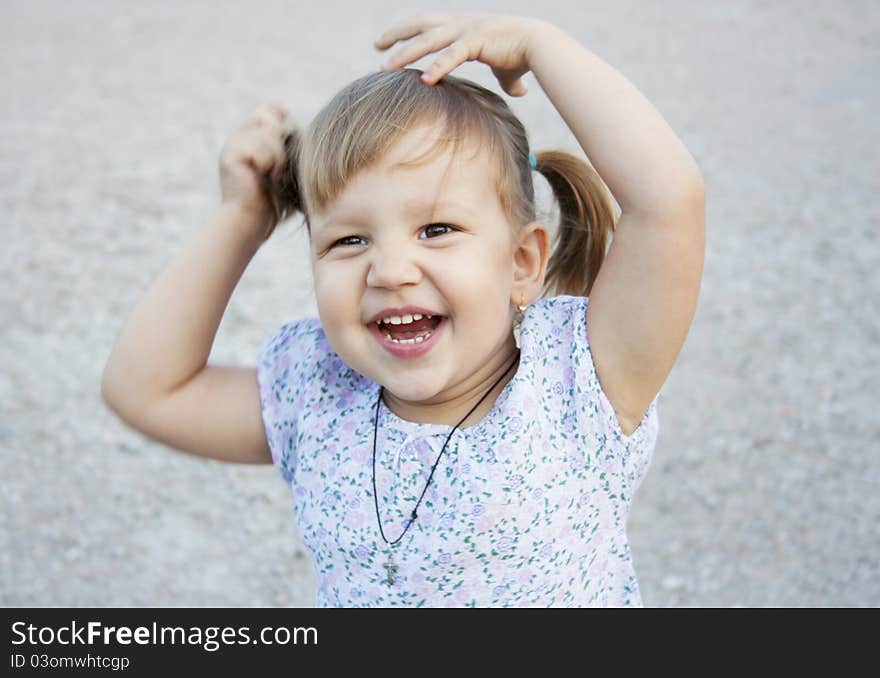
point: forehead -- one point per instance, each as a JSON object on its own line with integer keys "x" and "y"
{"x": 410, "y": 181}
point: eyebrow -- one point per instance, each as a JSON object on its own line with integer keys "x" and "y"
{"x": 411, "y": 209}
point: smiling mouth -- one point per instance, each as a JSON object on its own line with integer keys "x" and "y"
{"x": 411, "y": 333}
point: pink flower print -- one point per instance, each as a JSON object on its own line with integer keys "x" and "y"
{"x": 444, "y": 558}
{"x": 546, "y": 551}
{"x": 524, "y": 576}
{"x": 549, "y": 473}
{"x": 417, "y": 577}
{"x": 425, "y": 517}
{"x": 505, "y": 450}
{"x": 514, "y": 425}
{"x": 504, "y": 544}
{"x": 497, "y": 475}
{"x": 361, "y": 552}
{"x": 565, "y": 533}
{"x": 425, "y": 453}
{"x": 425, "y": 589}
{"x": 483, "y": 523}
{"x": 595, "y": 541}
{"x": 537, "y": 494}
{"x": 349, "y": 426}
{"x": 478, "y": 510}
{"x": 362, "y": 454}
{"x": 355, "y": 519}
{"x": 606, "y": 521}
{"x": 458, "y": 597}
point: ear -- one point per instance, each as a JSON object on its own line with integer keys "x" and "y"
{"x": 530, "y": 257}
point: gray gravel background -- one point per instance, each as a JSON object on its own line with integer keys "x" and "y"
{"x": 765, "y": 487}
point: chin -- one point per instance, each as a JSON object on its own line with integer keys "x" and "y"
{"x": 404, "y": 389}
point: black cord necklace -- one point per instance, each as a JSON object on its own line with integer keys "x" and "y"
{"x": 390, "y": 567}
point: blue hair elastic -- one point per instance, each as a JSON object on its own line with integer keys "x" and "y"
{"x": 533, "y": 161}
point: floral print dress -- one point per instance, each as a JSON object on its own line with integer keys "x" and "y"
{"x": 528, "y": 507}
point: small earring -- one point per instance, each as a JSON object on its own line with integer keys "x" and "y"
{"x": 517, "y": 319}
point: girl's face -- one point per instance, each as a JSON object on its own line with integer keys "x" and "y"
{"x": 382, "y": 245}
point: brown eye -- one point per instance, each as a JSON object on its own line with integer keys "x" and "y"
{"x": 342, "y": 241}
{"x": 432, "y": 226}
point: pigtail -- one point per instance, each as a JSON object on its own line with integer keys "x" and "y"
{"x": 283, "y": 183}
{"x": 587, "y": 218}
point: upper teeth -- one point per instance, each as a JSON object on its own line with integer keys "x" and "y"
{"x": 402, "y": 319}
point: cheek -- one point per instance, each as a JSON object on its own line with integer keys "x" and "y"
{"x": 489, "y": 271}
{"x": 335, "y": 297}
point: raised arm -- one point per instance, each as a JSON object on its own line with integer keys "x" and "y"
{"x": 645, "y": 295}
{"x": 644, "y": 298}
{"x": 157, "y": 378}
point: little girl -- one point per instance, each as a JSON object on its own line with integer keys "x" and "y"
{"x": 467, "y": 421}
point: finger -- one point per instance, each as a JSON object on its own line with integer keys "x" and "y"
{"x": 432, "y": 41}
{"x": 268, "y": 115}
{"x": 260, "y": 152}
{"x": 262, "y": 118}
{"x": 263, "y": 158}
{"x": 279, "y": 108}
{"x": 266, "y": 123}
{"x": 408, "y": 28}
{"x": 447, "y": 61}
{"x": 512, "y": 83}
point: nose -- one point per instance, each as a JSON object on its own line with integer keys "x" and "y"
{"x": 392, "y": 267}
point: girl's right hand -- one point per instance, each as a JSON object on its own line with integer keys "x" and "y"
{"x": 250, "y": 160}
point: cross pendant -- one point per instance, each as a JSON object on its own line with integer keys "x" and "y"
{"x": 390, "y": 567}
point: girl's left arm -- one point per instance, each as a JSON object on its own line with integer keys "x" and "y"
{"x": 644, "y": 298}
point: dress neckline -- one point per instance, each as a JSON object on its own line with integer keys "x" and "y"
{"x": 387, "y": 417}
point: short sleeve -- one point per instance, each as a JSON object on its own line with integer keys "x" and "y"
{"x": 561, "y": 336}
{"x": 637, "y": 448}
{"x": 281, "y": 371}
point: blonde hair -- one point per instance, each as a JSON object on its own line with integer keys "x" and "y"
{"x": 368, "y": 117}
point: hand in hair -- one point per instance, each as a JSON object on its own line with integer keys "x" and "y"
{"x": 502, "y": 42}
{"x": 253, "y": 159}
